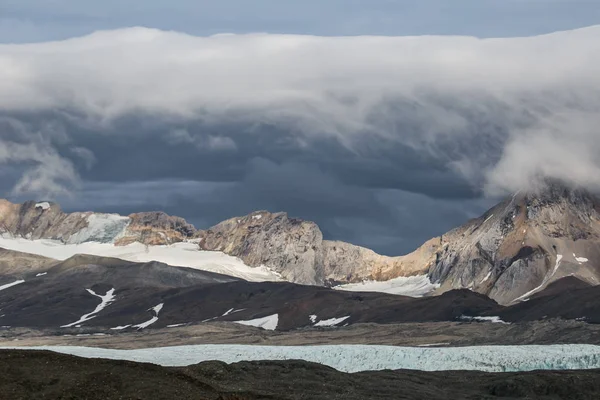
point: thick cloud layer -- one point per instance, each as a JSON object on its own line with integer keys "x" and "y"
{"x": 336, "y": 129}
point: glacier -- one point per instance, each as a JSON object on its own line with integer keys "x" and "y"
{"x": 413, "y": 286}
{"x": 356, "y": 358}
{"x": 183, "y": 254}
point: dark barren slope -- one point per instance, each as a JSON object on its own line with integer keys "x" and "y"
{"x": 51, "y": 296}
{"x": 567, "y": 298}
{"x": 60, "y": 295}
{"x": 34, "y": 375}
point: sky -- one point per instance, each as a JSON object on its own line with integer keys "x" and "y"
{"x": 41, "y": 20}
{"x": 386, "y": 122}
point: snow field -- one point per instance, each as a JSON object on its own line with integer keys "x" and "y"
{"x": 414, "y": 286}
{"x": 185, "y": 254}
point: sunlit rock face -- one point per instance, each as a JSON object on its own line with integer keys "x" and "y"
{"x": 524, "y": 243}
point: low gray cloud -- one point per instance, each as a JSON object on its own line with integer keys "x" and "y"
{"x": 337, "y": 129}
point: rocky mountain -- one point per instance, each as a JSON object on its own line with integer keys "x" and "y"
{"x": 293, "y": 248}
{"x": 522, "y": 245}
{"x": 296, "y": 249}
{"x": 510, "y": 253}
{"x": 45, "y": 220}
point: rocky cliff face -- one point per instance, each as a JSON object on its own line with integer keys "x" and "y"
{"x": 292, "y": 247}
{"x": 44, "y": 220}
{"x": 523, "y": 244}
{"x": 296, "y": 249}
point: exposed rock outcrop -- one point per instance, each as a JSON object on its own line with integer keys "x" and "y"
{"x": 296, "y": 249}
{"x": 524, "y": 243}
{"x": 45, "y": 220}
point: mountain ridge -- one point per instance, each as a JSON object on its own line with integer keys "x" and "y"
{"x": 510, "y": 253}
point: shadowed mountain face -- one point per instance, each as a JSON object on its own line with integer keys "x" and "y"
{"x": 104, "y": 293}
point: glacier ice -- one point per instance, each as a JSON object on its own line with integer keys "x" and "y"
{"x": 414, "y": 286}
{"x": 355, "y": 358}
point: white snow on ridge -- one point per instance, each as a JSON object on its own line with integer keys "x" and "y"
{"x": 414, "y": 286}
{"x": 8, "y": 285}
{"x": 185, "y": 254}
{"x": 332, "y": 321}
{"x": 41, "y": 274}
{"x": 106, "y": 300}
{"x": 313, "y": 318}
{"x": 43, "y": 205}
{"x": 356, "y": 358}
{"x": 269, "y": 323}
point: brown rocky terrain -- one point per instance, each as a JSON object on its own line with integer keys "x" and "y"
{"x": 523, "y": 244}
{"x": 296, "y": 249}
{"x": 45, "y": 220}
{"x": 439, "y": 334}
{"x": 14, "y": 263}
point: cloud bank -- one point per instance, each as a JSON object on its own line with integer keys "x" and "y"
{"x": 320, "y": 126}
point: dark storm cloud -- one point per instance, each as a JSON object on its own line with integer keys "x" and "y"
{"x": 383, "y": 141}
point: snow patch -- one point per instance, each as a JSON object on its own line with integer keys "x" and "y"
{"x": 227, "y": 312}
{"x": 152, "y": 320}
{"x": 120, "y": 328}
{"x": 313, "y": 318}
{"x": 257, "y": 217}
{"x": 414, "y": 286}
{"x": 106, "y": 300}
{"x": 157, "y": 308}
{"x": 43, "y": 205}
{"x": 269, "y": 323}
{"x": 493, "y": 320}
{"x": 41, "y": 274}
{"x": 488, "y": 276}
{"x": 488, "y": 218}
{"x": 184, "y": 254}
{"x": 356, "y": 358}
{"x": 175, "y": 325}
{"x": 8, "y": 285}
{"x": 332, "y": 321}
{"x": 580, "y": 259}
